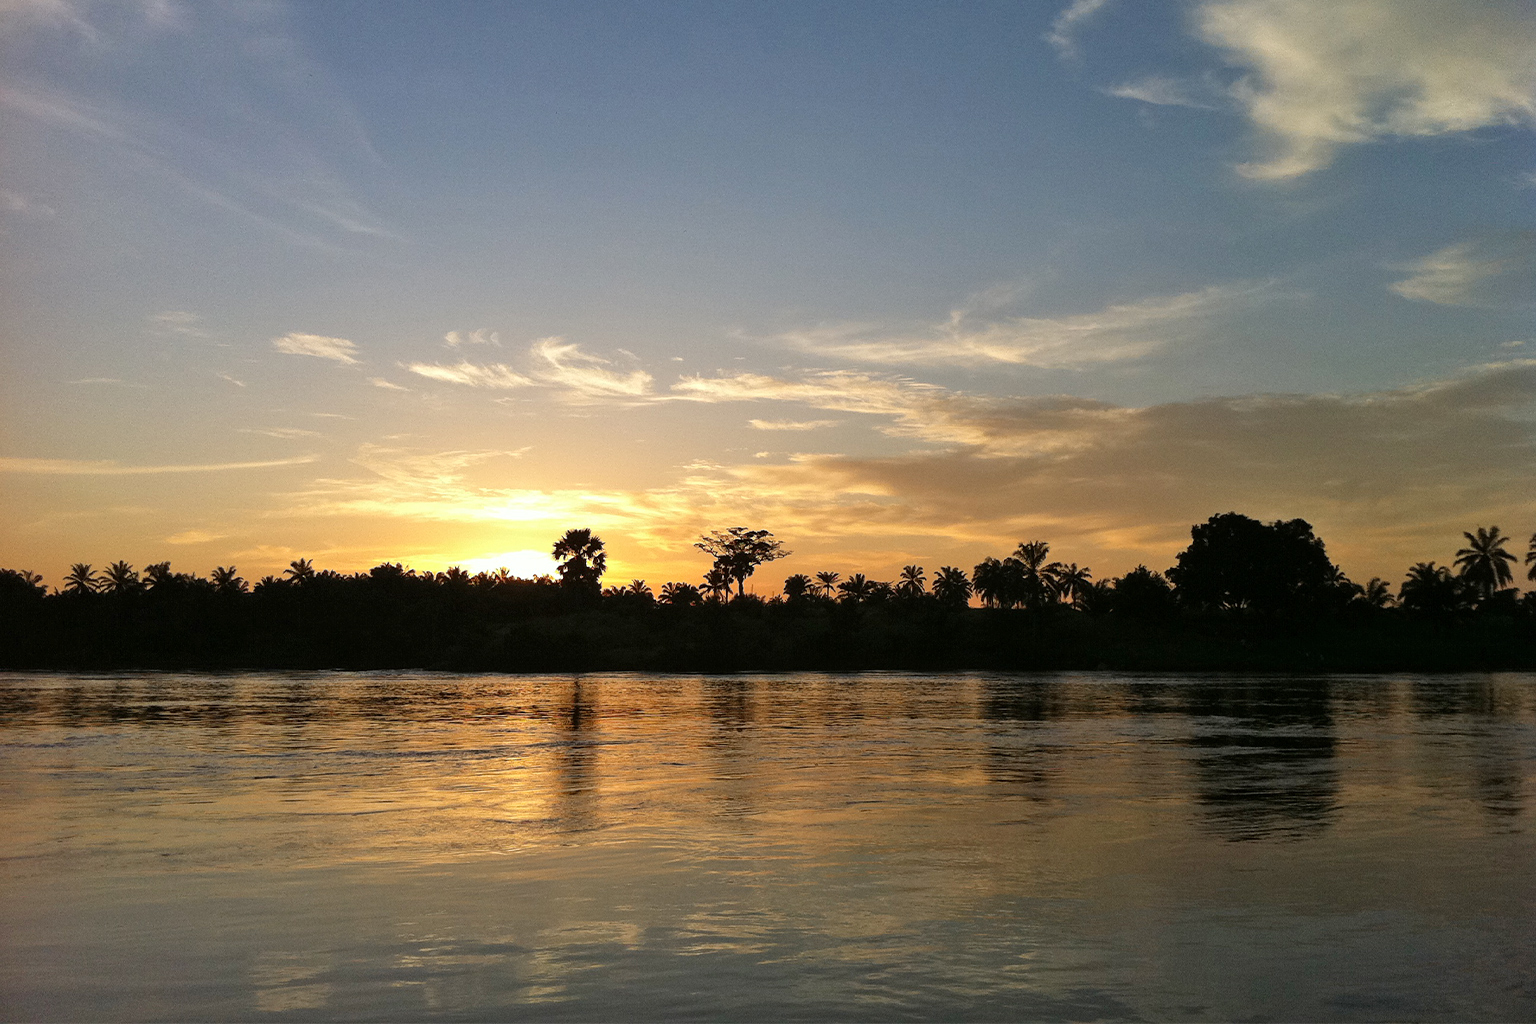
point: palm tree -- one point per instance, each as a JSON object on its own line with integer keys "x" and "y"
{"x": 119, "y": 578}
{"x": 952, "y": 587}
{"x": 989, "y": 581}
{"x": 855, "y": 588}
{"x": 582, "y": 560}
{"x": 1530, "y": 559}
{"x": 912, "y": 580}
{"x": 1484, "y": 562}
{"x": 1377, "y": 594}
{"x": 717, "y": 583}
{"x": 1034, "y": 572}
{"x": 638, "y": 588}
{"x": 1431, "y": 590}
{"x": 81, "y": 579}
{"x": 681, "y": 595}
{"x": 225, "y": 581}
{"x": 1072, "y": 584}
{"x": 827, "y": 581}
{"x": 300, "y": 571}
{"x": 798, "y": 586}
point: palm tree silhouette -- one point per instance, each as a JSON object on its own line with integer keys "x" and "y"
{"x": 828, "y": 580}
{"x": 797, "y": 586}
{"x": 717, "y": 582}
{"x": 1377, "y": 593}
{"x": 1484, "y": 562}
{"x": 300, "y": 571}
{"x": 81, "y": 579}
{"x": 1530, "y": 559}
{"x": 1036, "y": 575}
{"x": 989, "y": 581}
{"x": 912, "y": 580}
{"x": 1074, "y": 585}
{"x": 681, "y": 595}
{"x": 119, "y": 578}
{"x": 952, "y": 587}
{"x": 225, "y": 581}
{"x": 855, "y": 588}
{"x": 582, "y": 560}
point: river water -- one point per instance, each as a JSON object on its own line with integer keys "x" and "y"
{"x": 875, "y": 846}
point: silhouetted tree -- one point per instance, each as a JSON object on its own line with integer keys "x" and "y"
{"x": 855, "y": 589}
{"x": 120, "y": 578}
{"x": 299, "y": 571}
{"x": 739, "y": 551}
{"x": 912, "y": 582}
{"x": 1431, "y": 590}
{"x": 717, "y": 583}
{"x": 1071, "y": 584}
{"x": 582, "y": 562}
{"x": 226, "y": 581}
{"x": 1377, "y": 594}
{"x": 951, "y": 587}
{"x": 990, "y": 581}
{"x": 1484, "y": 562}
{"x": 1234, "y": 562}
{"x": 1034, "y": 574}
{"x": 798, "y": 587}
{"x": 681, "y": 595}
{"x": 81, "y": 579}
{"x": 1142, "y": 594}
{"x": 827, "y": 581}
{"x": 1530, "y": 559}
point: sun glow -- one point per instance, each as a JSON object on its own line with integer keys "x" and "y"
{"x": 528, "y": 563}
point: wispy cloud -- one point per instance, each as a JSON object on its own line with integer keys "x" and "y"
{"x": 194, "y": 537}
{"x": 1490, "y": 271}
{"x": 336, "y": 349}
{"x": 1071, "y": 20}
{"x": 554, "y": 363}
{"x": 456, "y": 339}
{"x": 113, "y": 381}
{"x": 18, "y": 205}
{"x": 81, "y": 467}
{"x": 474, "y": 375}
{"x": 380, "y": 382}
{"x": 585, "y": 377}
{"x": 1160, "y": 91}
{"x": 1321, "y": 74}
{"x": 292, "y": 167}
{"x": 282, "y": 433}
{"x": 791, "y": 424}
{"x": 1118, "y": 332}
{"x": 179, "y": 322}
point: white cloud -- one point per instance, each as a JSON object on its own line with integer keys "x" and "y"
{"x": 380, "y": 382}
{"x": 337, "y": 349}
{"x": 474, "y": 375}
{"x": 1160, "y": 91}
{"x": 178, "y": 321}
{"x": 584, "y": 377}
{"x": 1490, "y": 271}
{"x": 1116, "y": 333}
{"x": 1063, "y": 33}
{"x": 455, "y": 339}
{"x": 282, "y": 433}
{"x": 1322, "y": 74}
{"x": 791, "y": 424}
{"x": 81, "y": 467}
{"x": 194, "y": 537}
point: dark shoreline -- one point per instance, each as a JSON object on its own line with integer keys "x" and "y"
{"x": 101, "y": 633}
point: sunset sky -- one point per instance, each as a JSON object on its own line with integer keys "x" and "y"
{"x": 899, "y": 282}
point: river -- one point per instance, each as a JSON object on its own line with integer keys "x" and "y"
{"x": 266, "y": 846}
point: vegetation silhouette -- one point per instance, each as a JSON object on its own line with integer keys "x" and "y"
{"x": 1243, "y": 596}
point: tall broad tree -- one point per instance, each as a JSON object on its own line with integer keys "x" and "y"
{"x": 739, "y": 551}
{"x": 1237, "y": 563}
{"x": 952, "y": 587}
{"x": 582, "y": 561}
{"x": 1484, "y": 563}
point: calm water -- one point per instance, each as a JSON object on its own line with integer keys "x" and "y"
{"x": 267, "y": 846}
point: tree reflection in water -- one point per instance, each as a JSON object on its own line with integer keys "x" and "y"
{"x": 1264, "y": 757}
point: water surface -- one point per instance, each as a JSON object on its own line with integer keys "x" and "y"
{"x": 416, "y": 845}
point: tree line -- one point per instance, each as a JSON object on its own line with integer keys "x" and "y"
{"x": 1240, "y": 582}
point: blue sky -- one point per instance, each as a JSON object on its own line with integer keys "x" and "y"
{"x": 901, "y": 282}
